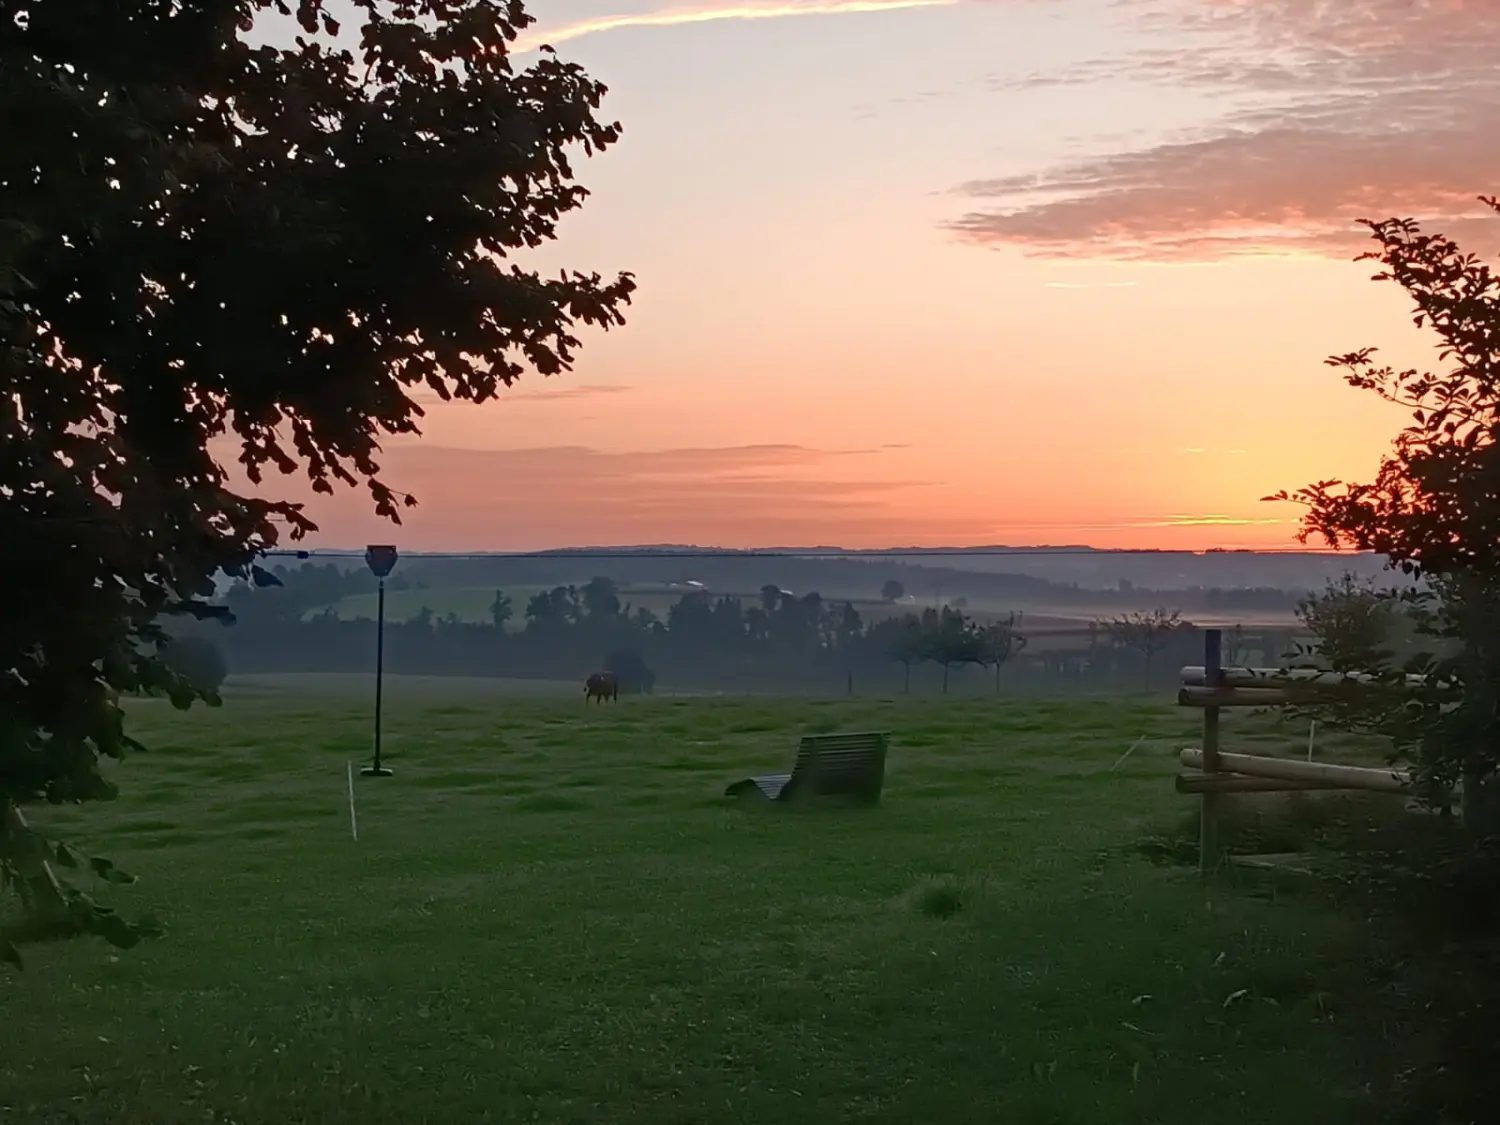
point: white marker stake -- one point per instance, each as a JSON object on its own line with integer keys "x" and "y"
{"x": 353, "y": 824}
{"x": 1127, "y": 753}
{"x": 1312, "y": 731}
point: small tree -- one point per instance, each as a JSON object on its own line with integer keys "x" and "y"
{"x": 502, "y": 609}
{"x": 908, "y": 647}
{"x": 1000, "y": 642}
{"x": 954, "y": 642}
{"x": 1350, "y": 621}
{"x": 632, "y": 671}
{"x": 892, "y": 590}
{"x": 199, "y": 661}
{"x": 1146, "y": 633}
{"x": 1433, "y": 507}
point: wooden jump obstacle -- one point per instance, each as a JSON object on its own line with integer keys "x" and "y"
{"x": 1213, "y": 687}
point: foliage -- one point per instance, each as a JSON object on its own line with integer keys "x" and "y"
{"x": 198, "y": 661}
{"x": 214, "y": 250}
{"x": 949, "y": 638}
{"x": 1000, "y": 641}
{"x": 631, "y": 670}
{"x": 1433, "y": 507}
{"x": 1147, "y": 633}
{"x": 501, "y": 610}
{"x": 696, "y": 641}
{"x": 892, "y": 590}
{"x": 1350, "y": 621}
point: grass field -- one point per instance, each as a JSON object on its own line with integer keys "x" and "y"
{"x": 552, "y": 915}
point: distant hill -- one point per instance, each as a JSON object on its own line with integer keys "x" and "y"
{"x": 1026, "y": 574}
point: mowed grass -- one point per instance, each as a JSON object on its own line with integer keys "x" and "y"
{"x": 552, "y": 915}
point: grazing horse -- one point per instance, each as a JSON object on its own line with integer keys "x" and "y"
{"x": 601, "y": 686}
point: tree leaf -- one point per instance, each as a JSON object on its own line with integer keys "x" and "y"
{"x": 106, "y": 870}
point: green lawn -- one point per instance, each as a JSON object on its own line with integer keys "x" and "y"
{"x": 552, "y": 915}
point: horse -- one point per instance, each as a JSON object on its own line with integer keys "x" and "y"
{"x": 601, "y": 686}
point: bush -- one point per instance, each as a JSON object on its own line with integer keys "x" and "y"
{"x": 198, "y": 660}
{"x": 630, "y": 668}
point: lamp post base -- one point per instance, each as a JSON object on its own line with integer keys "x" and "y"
{"x": 375, "y": 771}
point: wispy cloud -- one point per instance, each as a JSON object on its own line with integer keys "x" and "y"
{"x": 584, "y": 390}
{"x": 1091, "y": 284}
{"x": 713, "y": 13}
{"x": 558, "y": 495}
{"x": 1215, "y": 521}
{"x": 1335, "y": 112}
{"x": 428, "y": 398}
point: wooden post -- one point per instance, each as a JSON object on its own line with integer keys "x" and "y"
{"x": 1208, "y": 817}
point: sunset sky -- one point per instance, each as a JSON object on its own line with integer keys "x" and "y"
{"x": 973, "y": 271}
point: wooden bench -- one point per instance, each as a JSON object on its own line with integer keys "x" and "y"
{"x": 827, "y": 765}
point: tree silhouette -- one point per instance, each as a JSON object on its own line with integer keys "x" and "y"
{"x": 600, "y": 598}
{"x": 907, "y": 645}
{"x": 1000, "y": 642}
{"x": 1146, "y": 633}
{"x": 892, "y": 590}
{"x": 501, "y": 609}
{"x": 953, "y": 640}
{"x": 1351, "y": 623}
{"x": 219, "y": 252}
{"x": 1433, "y": 507}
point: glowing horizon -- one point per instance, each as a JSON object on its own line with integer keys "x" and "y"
{"x": 964, "y": 272}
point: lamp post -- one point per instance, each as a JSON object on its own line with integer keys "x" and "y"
{"x": 380, "y": 560}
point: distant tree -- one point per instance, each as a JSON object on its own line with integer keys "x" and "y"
{"x": 629, "y": 665}
{"x": 1000, "y": 642}
{"x": 215, "y": 252}
{"x": 199, "y": 661}
{"x": 552, "y": 609}
{"x": 1234, "y": 646}
{"x": 907, "y": 645}
{"x": 1351, "y": 622}
{"x": 955, "y": 641}
{"x": 892, "y": 590}
{"x": 849, "y": 628}
{"x": 501, "y": 609}
{"x": 1146, "y": 633}
{"x": 600, "y": 599}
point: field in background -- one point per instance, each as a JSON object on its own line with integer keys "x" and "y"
{"x": 398, "y": 690}
{"x": 553, "y": 915}
{"x": 472, "y": 604}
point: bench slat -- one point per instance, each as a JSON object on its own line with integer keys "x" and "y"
{"x": 850, "y": 763}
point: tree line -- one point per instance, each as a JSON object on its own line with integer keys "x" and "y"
{"x": 775, "y": 641}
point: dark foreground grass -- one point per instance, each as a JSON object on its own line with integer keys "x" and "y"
{"x": 552, "y": 915}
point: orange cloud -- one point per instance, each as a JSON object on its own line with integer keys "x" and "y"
{"x": 425, "y": 397}
{"x": 674, "y": 17}
{"x": 1343, "y": 112}
{"x": 560, "y": 496}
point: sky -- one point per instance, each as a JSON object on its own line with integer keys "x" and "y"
{"x": 922, "y": 272}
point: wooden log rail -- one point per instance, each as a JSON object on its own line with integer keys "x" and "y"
{"x": 1210, "y": 686}
{"x": 1195, "y": 675}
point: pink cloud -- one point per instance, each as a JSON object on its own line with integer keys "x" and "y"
{"x": 558, "y": 496}
{"x": 1343, "y": 112}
